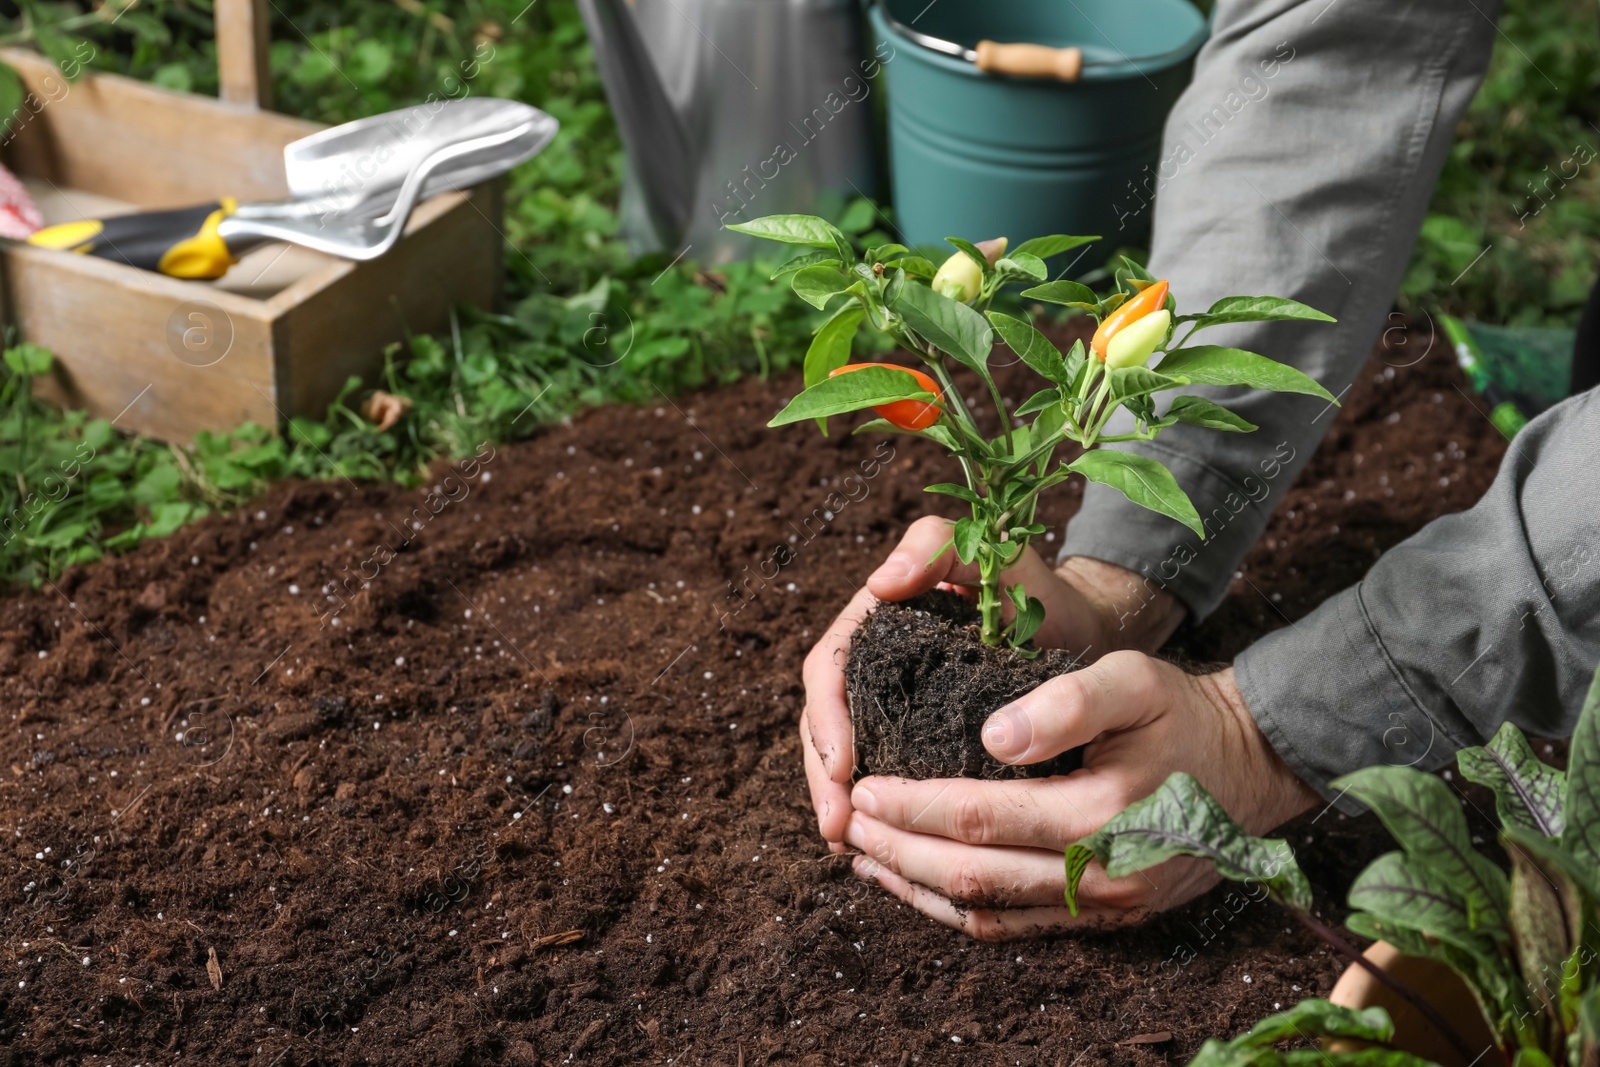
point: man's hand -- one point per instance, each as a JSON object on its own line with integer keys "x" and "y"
{"x": 1091, "y": 608}
{"x": 985, "y": 857}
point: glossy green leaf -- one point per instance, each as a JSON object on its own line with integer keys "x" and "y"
{"x": 1425, "y": 818}
{"x": 864, "y": 388}
{"x": 830, "y": 348}
{"x": 950, "y": 325}
{"x": 1256, "y": 309}
{"x": 1138, "y": 381}
{"x": 808, "y": 259}
{"x": 1029, "y": 614}
{"x": 923, "y": 268}
{"x": 817, "y": 285}
{"x": 1062, "y": 292}
{"x": 969, "y": 537}
{"x": 1582, "y": 804}
{"x": 1319, "y": 1018}
{"x": 797, "y": 230}
{"x": 1032, "y": 347}
{"x": 960, "y": 492}
{"x": 1210, "y": 365}
{"x": 1182, "y": 819}
{"x": 1051, "y": 245}
{"x": 973, "y": 254}
{"x": 1198, "y": 411}
{"x": 1020, "y": 265}
{"x": 1142, "y": 480}
{"x": 1527, "y": 791}
{"x": 1398, "y": 890}
{"x": 938, "y": 432}
{"x": 1038, "y": 402}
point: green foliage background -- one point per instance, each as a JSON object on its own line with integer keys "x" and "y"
{"x": 586, "y": 323}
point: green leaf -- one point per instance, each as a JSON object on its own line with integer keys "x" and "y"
{"x": 1539, "y": 928}
{"x": 797, "y": 230}
{"x": 1398, "y": 890}
{"x": 1527, "y": 791}
{"x": 1319, "y": 1018}
{"x": 1038, "y": 402}
{"x": 11, "y": 94}
{"x": 1198, "y": 411}
{"x": 864, "y": 388}
{"x": 1029, "y": 616}
{"x": 969, "y": 538}
{"x": 830, "y": 348}
{"x": 952, "y": 326}
{"x": 938, "y": 432}
{"x": 960, "y": 492}
{"x": 1129, "y": 382}
{"x": 1032, "y": 347}
{"x": 817, "y": 285}
{"x": 1182, "y": 819}
{"x": 807, "y": 259}
{"x": 1425, "y": 818}
{"x": 1256, "y": 309}
{"x": 859, "y": 216}
{"x": 1063, "y": 292}
{"x": 1142, "y": 480}
{"x": 1582, "y": 804}
{"x": 922, "y": 268}
{"x": 973, "y": 254}
{"x": 29, "y": 360}
{"x": 1050, "y": 245}
{"x": 1019, "y": 265}
{"x": 1134, "y": 270}
{"x": 1210, "y": 365}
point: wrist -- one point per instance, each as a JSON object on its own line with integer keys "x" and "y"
{"x": 1272, "y": 793}
{"x": 1133, "y": 613}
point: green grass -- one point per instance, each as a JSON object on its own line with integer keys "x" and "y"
{"x": 1533, "y": 121}
{"x": 587, "y": 324}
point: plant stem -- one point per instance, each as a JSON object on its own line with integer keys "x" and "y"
{"x": 990, "y": 570}
{"x": 1405, "y": 992}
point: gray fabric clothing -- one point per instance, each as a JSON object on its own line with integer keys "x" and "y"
{"x": 1488, "y": 616}
{"x": 1298, "y": 163}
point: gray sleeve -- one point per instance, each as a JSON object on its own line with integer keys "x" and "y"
{"x": 1485, "y": 617}
{"x": 1298, "y": 163}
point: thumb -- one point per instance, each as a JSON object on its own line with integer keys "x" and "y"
{"x": 911, "y": 568}
{"x": 1120, "y": 691}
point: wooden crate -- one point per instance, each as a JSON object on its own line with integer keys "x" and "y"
{"x": 276, "y": 337}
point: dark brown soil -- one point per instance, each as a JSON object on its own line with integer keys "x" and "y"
{"x": 921, "y": 685}
{"x": 536, "y": 798}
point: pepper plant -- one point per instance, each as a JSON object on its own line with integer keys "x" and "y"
{"x": 1526, "y": 944}
{"x": 941, "y": 316}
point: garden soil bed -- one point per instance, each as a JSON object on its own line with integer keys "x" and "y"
{"x": 536, "y": 798}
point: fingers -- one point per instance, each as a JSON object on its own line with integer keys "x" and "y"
{"x": 827, "y": 711}
{"x": 1048, "y": 813}
{"x": 993, "y": 876}
{"x": 985, "y": 924}
{"x": 830, "y": 799}
{"x": 1119, "y": 692}
{"x": 911, "y": 568}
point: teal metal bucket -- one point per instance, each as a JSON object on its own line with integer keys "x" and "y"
{"x": 980, "y": 155}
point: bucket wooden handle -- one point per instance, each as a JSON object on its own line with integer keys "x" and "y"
{"x": 1030, "y": 60}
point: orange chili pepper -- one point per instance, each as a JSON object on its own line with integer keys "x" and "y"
{"x": 1150, "y": 299}
{"x": 906, "y": 414}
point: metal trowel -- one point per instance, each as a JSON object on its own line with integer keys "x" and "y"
{"x": 352, "y": 188}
